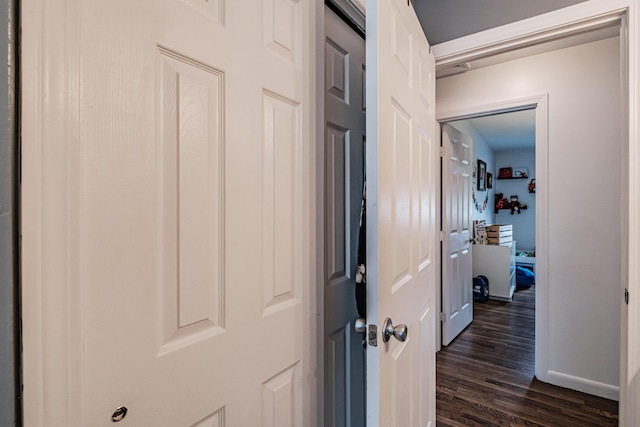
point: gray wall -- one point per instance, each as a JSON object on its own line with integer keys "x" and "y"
{"x": 8, "y": 222}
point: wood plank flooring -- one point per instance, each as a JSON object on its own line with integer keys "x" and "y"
{"x": 486, "y": 376}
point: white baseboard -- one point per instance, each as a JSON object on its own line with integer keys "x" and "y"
{"x": 584, "y": 385}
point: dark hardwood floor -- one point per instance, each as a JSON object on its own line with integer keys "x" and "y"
{"x": 486, "y": 376}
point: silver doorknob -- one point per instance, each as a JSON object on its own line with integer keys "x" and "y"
{"x": 400, "y": 331}
{"x": 360, "y": 325}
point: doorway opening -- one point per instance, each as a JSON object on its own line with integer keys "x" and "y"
{"x": 502, "y": 197}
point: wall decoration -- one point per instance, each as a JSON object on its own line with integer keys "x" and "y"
{"x": 532, "y": 186}
{"x": 480, "y": 207}
{"x": 482, "y": 175}
{"x": 520, "y": 172}
{"x": 489, "y": 180}
{"x": 505, "y": 173}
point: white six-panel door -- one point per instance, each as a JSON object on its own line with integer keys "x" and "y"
{"x": 401, "y": 215}
{"x": 457, "y": 274}
{"x": 167, "y": 190}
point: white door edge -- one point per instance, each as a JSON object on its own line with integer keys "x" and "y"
{"x": 318, "y": 132}
{"x": 59, "y": 286}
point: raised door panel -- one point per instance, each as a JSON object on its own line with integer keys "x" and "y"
{"x": 192, "y": 214}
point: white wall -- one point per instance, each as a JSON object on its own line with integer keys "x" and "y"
{"x": 524, "y": 223}
{"x": 585, "y": 163}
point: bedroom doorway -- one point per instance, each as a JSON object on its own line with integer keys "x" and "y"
{"x": 501, "y": 142}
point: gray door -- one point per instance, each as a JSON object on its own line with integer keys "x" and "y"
{"x": 344, "y": 177}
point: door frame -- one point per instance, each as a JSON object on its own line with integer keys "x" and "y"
{"x": 554, "y": 25}
{"x": 10, "y": 345}
{"x": 320, "y": 209}
{"x": 540, "y": 103}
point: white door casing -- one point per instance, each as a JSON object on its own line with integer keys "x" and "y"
{"x": 457, "y": 274}
{"x": 401, "y": 215}
{"x": 344, "y": 176}
{"x": 167, "y": 212}
{"x": 630, "y": 312}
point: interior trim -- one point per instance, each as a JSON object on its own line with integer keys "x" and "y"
{"x": 586, "y": 16}
{"x": 351, "y": 13}
{"x": 340, "y": 12}
{"x": 541, "y": 104}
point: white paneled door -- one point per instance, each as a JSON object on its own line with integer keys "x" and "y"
{"x": 457, "y": 274}
{"x": 344, "y": 354}
{"x": 167, "y": 190}
{"x": 401, "y": 216}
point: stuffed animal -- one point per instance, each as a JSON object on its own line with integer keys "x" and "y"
{"x": 515, "y": 204}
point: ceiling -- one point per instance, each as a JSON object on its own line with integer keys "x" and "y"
{"x": 506, "y": 131}
{"x": 445, "y": 20}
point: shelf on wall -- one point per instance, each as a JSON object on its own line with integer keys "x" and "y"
{"x": 516, "y": 177}
{"x": 508, "y": 209}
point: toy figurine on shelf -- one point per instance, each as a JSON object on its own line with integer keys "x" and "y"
{"x": 532, "y": 186}
{"x": 516, "y": 206}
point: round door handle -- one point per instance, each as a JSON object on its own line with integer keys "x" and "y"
{"x": 400, "y": 331}
{"x": 360, "y": 325}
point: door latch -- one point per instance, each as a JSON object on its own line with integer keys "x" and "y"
{"x": 626, "y": 296}
{"x": 373, "y": 335}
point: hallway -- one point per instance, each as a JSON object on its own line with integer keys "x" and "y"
{"x": 486, "y": 376}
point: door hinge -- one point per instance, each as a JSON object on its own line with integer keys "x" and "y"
{"x": 626, "y": 296}
{"x": 373, "y": 335}
{"x": 443, "y": 317}
{"x": 441, "y": 151}
{"x": 441, "y": 235}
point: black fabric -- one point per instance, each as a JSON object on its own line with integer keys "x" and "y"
{"x": 361, "y": 276}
